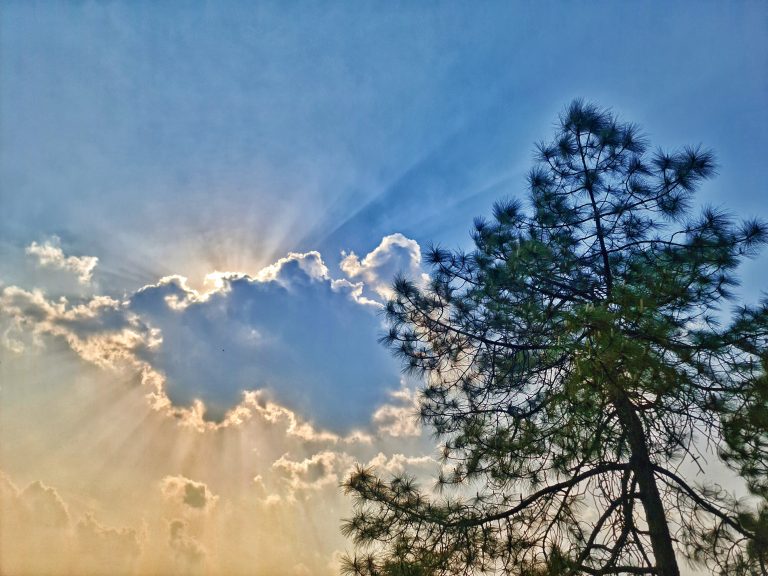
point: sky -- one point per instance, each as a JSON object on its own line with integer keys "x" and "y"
{"x": 202, "y": 206}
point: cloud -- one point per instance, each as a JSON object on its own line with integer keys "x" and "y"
{"x": 106, "y": 333}
{"x": 321, "y": 470}
{"x": 100, "y": 330}
{"x": 398, "y": 463}
{"x": 401, "y": 417}
{"x": 255, "y": 402}
{"x": 324, "y": 471}
{"x": 104, "y": 550}
{"x": 295, "y": 266}
{"x": 38, "y": 536}
{"x": 289, "y": 330}
{"x": 43, "y": 505}
{"x": 187, "y": 550}
{"x": 49, "y": 254}
{"x": 35, "y": 528}
{"x": 290, "y": 344}
{"x": 175, "y": 513}
{"x": 396, "y": 254}
{"x": 189, "y": 493}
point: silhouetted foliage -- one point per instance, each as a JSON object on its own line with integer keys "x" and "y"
{"x": 574, "y": 367}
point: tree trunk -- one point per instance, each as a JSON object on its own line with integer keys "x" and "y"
{"x": 661, "y": 539}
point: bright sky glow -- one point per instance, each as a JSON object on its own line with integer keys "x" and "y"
{"x": 202, "y": 206}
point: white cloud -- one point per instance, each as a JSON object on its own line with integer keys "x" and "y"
{"x": 396, "y": 254}
{"x": 399, "y": 418}
{"x": 100, "y": 330}
{"x": 255, "y": 402}
{"x": 321, "y": 470}
{"x": 355, "y": 291}
{"x": 49, "y": 254}
{"x": 285, "y": 269}
{"x": 398, "y": 463}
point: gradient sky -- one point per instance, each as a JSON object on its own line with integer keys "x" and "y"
{"x": 201, "y": 209}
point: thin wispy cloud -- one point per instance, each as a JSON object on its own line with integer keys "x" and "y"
{"x": 49, "y": 254}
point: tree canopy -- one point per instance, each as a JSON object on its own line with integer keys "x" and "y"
{"x": 576, "y": 364}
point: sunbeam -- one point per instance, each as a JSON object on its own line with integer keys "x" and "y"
{"x": 203, "y": 209}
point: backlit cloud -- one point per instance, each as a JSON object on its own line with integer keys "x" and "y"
{"x": 399, "y": 417}
{"x": 289, "y": 330}
{"x": 50, "y": 254}
{"x": 43, "y": 505}
{"x": 320, "y": 470}
{"x": 105, "y": 550}
{"x": 189, "y": 493}
{"x": 286, "y": 358}
{"x": 187, "y": 550}
{"x": 101, "y": 330}
{"x": 38, "y": 536}
{"x": 396, "y": 254}
{"x": 398, "y": 463}
{"x": 289, "y": 343}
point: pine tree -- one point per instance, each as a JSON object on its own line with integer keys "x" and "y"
{"x": 574, "y": 366}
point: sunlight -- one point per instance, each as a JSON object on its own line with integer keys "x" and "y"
{"x": 221, "y": 225}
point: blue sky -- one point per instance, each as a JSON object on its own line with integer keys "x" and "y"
{"x": 179, "y": 139}
{"x": 273, "y": 128}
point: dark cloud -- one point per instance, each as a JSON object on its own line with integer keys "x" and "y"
{"x": 307, "y": 341}
{"x": 188, "y": 492}
{"x": 293, "y": 332}
{"x": 195, "y": 496}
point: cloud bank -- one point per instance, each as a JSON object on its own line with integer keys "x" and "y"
{"x": 39, "y": 533}
{"x": 289, "y": 336}
{"x": 280, "y": 368}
